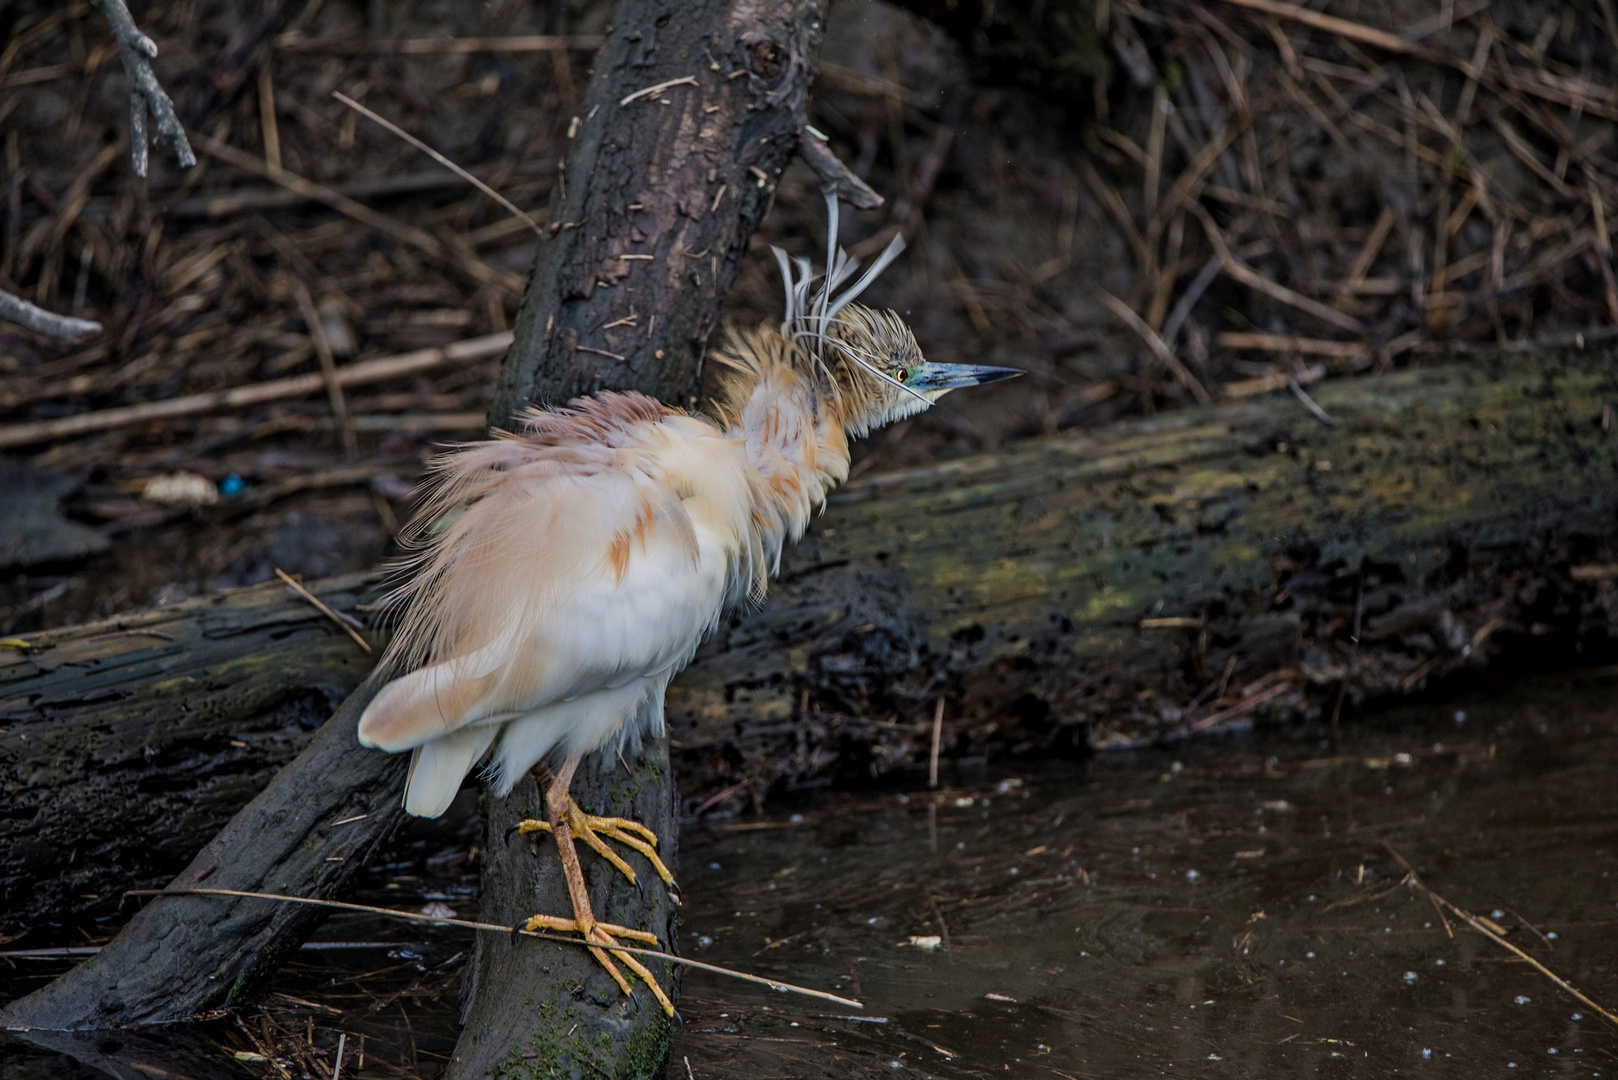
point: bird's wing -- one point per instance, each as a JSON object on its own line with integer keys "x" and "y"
{"x": 565, "y": 573}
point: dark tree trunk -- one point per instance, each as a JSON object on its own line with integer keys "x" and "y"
{"x": 658, "y": 201}
{"x": 582, "y": 1025}
{"x": 660, "y": 196}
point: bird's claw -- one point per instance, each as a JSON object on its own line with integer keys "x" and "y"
{"x": 590, "y": 828}
{"x": 598, "y": 934}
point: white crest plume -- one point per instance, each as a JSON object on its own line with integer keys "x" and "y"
{"x": 808, "y": 315}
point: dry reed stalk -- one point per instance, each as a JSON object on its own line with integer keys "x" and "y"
{"x": 1127, "y": 316}
{"x": 429, "y": 245}
{"x": 356, "y": 374}
{"x": 1413, "y": 881}
{"x": 467, "y": 924}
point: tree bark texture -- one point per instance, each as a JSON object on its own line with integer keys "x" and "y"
{"x": 659, "y": 195}
{"x": 583, "y": 1026}
{"x": 692, "y": 114}
{"x": 126, "y": 744}
{"x": 305, "y": 834}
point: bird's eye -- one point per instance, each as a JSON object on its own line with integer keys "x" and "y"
{"x": 903, "y": 375}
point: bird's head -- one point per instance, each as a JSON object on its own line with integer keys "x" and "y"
{"x": 880, "y": 373}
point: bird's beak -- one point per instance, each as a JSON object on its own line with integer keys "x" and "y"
{"x": 928, "y": 377}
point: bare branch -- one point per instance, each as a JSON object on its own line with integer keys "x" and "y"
{"x": 145, "y": 92}
{"x": 62, "y": 327}
{"x": 834, "y": 175}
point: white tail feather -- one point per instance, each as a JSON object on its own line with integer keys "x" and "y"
{"x": 438, "y": 767}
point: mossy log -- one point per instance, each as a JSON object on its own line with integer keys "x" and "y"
{"x": 1181, "y": 574}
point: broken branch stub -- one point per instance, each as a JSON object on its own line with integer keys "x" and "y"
{"x": 32, "y": 317}
{"x": 145, "y": 92}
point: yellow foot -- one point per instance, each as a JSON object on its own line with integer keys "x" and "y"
{"x": 599, "y": 933}
{"x": 591, "y": 828}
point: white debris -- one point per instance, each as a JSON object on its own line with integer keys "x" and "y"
{"x": 180, "y": 489}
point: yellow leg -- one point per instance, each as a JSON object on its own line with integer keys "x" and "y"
{"x": 591, "y": 828}
{"x": 561, "y": 807}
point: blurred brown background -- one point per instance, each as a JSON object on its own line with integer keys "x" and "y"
{"x": 1379, "y": 200}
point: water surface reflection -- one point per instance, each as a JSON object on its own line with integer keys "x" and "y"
{"x": 1233, "y": 909}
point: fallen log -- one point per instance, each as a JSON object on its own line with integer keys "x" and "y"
{"x": 1181, "y": 574}
{"x": 125, "y": 744}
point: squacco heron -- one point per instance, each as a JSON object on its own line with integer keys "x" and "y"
{"x": 566, "y": 572}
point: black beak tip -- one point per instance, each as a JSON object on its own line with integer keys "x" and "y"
{"x": 996, "y": 374}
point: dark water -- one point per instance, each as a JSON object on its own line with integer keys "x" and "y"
{"x": 1237, "y": 909}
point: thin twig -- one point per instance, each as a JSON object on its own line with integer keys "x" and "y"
{"x": 411, "y": 916}
{"x": 365, "y": 371}
{"x": 324, "y": 610}
{"x": 1246, "y": 705}
{"x": 833, "y": 174}
{"x": 474, "y": 268}
{"x": 328, "y": 367}
{"x": 1194, "y": 172}
{"x": 1188, "y": 300}
{"x": 1308, "y": 402}
{"x": 1127, "y": 315}
{"x": 441, "y": 159}
{"x": 337, "y": 1066}
{"x": 61, "y": 327}
{"x": 653, "y": 91}
{"x": 938, "y": 736}
{"x": 1414, "y": 881}
{"x": 145, "y": 92}
{"x": 1352, "y": 30}
{"x": 1289, "y": 343}
{"x": 1253, "y": 279}
{"x": 1145, "y": 262}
